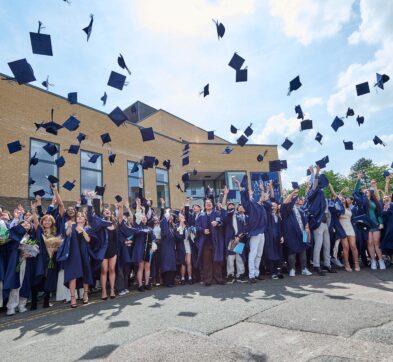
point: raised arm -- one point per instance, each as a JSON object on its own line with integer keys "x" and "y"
{"x": 332, "y": 191}
{"x": 225, "y": 196}
{"x": 58, "y": 200}
{"x": 387, "y": 181}
{"x": 34, "y": 214}
{"x": 120, "y": 211}
{"x": 374, "y": 186}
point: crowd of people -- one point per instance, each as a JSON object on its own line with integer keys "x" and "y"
{"x": 67, "y": 252}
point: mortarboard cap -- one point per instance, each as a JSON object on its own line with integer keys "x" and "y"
{"x": 233, "y": 129}
{"x": 283, "y": 164}
{"x": 241, "y": 75}
{"x": 381, "y": 80}
{"x": 40, "y": 193}
{"x": 111, "y": 158}
{"x": 360, "y": 120}
{"x": 287, "y": 144}
{"x": 118, "y": 198}
{"x": 167, "y": 164}
{"x": 318, "y": 138}
{"x": 148, "y": 162}
{"x": 60, "y": 162}
{"x": 194, "y": 172}
{"x": 299, "y": 112}
{"x": 308, "y": 173}
{"x": 236, "y": 62}
{"x": 33, "y": 160}
{"x": 72, "y": 97}
{"x": 135, "y": 168}
{"x": 323, "y": 181}
{"x": 275, "y": 166}
{"x": 52, "y": 127}
{"x": 362, "y": 88}
{"x": 89, "y": 28}
{"x": 72, "y": 123}
{"x": 122, "y": 64}
{"x": 337, "y": 123}
{"x": 220, "y": 29}
{"x": 323, "y": 162}
{"x": 248, "y": 131}
{"x": 117, "y": 116}
{"x": 100, "y": 190}
{"x": 244, "y": 181}
{"x": 179, "y": 187}
{"x": 106, "y": 138}
{"x": 74, "y": 149}
{"x": 242, "y": 140}
{"x": 306, "y": 124}
{"x": 260, "y": 157}
{"x": 51, "y": 149}
{"x": 294, "y": 84}
{"x": 295, "y": 185}
{"x": 81, "y": 137}
{"x": 117, "y": 80}
{"x": 14, "y": 147}
{"x": 93, "y": 158}
{"x": 52, "y": 179}
{"x": 228, "y": 150}
{"x": 104, "y": 98}
{"x": 83, "y": 199}
{"x": 205, "y": 91}
{"x": 156, "y": 162}
{"x": 348, "y": 145}
{"x": 378, "y": 141}
{"x": 147, "y": 134}
{"x": 210, "y": 135}
{"x": 185, "y": 161}
{"x": 22, "y": 71}
{"x": 185, "y": 177}
{"x": 41, "y": 43}
{"x": 31, "y": 181}
{"x": 231, "y": 195}
{"x": 386, "y": 174}
{"x": 69, "y": 185}
{"x": 350, "y": 113}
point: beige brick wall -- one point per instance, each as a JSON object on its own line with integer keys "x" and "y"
{"x": 21, "y": 106}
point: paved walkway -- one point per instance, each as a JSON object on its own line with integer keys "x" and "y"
{"x": 340, "y": 317}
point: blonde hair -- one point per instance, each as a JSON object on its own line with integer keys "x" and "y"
{"x": 53, "y": 229}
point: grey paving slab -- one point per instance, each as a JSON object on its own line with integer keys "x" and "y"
{"x": 380, "y": 334}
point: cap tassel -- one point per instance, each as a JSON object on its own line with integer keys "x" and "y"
{"x": 40, "y": 26}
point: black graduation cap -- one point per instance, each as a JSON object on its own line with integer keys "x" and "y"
{"x": 350, "y": 113}
{"x": 72, "y": 123}
{"x": 210, "y": 135}
{"x": 234, "y": 129}
{"x": 33, "y": 160}
{"x": 306, "y": 124}
{"x": 318, "y": 138}
{"x": 52, "y": 127}
{"x": 118, "y": 198}
{"x": 323, "y": 162}
{"x": 283, "y": 164}
{"x": 228, "y": 150}
{"x": 60, "y": 162}
{"x": 360, "y": 120}
{"x": 135, "y": 168}
{"x": 148, "y": 162}
{"x": 72, "y": 97}
{"x": 386, "y": 174}
{"x": 100, "y": 190}
{"x": 260, "y": 157}
{"x": 40, "y": 193}
{"x": 117, "y": 116}
{"x": 147, "y": 134}
{"x": 299, "y": 112}
{"x": 205, "y": 91}
{"x": 51, "y": 149}
{"x": 381, "y": 80}
{"x": 156, "y": 161}
{"x": 81, "y": 137}
{"x": 185, "y": 177}
{"x": 241, "y": 75}
{"x": 242, "y": 140}
{"x": 308, "y": 173}
{"x": 93, "y": 158}
{"x": 378, "y": 141}
{"x": 52, "y": 179}
{"x": 46, "y": 83}
{"x": 31, "y": 181}
{"x": 14, "y": 147}
{"x": 111, "y": 158}
{"x": 275, "y": 166}
{"x": 133, "y": 109}
{"x": 323, "y": 181}
{"x": 294, "y": 84}
{"x": 248, "y": 131}
{"x": 337, "y": 123}
{"x": 106, "y": 138}
{"x": 117, "y": 80}
{"x": 179, "y": 187}
{"x": 186, "y": 147}
{"x": 295, "y": 185}
{"x": 41, "y": 43}
{"x": 362, "y": 88}
{"x": 236, "y": 62}
{"x": 89, "y": 28}
{"x": 348, "y": 145}
{"x": 194, "y": 172}
{"x": 122, "y": 64}
{"x": 185, "y": 161}
{"x": 68, "y": 185}
{"x": 104, "y": 98}
{"x": 287, "y": 144}
{"x": 74, "y": 149}
{"x": 231, "y": 195}
{"x": 220, "y": 29}
{"x": 167, "y": 164}
{"x": 22, "y": 71}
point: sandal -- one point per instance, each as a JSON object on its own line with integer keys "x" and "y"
{"x": 73, "y": 305}
{"x": 357, "y": 267}
{"x": 85, "y": 300}
{"x": 347, "y": 268}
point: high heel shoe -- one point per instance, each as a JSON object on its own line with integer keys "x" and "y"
{"x": 73, "y": 305}
{"x": 357, "y": 267}
{"x": 347, "y": 268}
{"x": 114, "y": 294}
{"x": 85, "y": 300}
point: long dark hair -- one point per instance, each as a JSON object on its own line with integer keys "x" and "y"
{"x": 376, "y": 202}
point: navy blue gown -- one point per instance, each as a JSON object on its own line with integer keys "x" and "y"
{"x": 168, "y": 247}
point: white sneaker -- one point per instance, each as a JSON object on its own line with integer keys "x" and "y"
{"x": 382, "y": 265}
{"x": 305, "y": 271}
{"x": 292, "y": 273}
{"x": 373, "y": 264}
{"x": 337, "y": 262}
{"x": 22, "y": 309}
{"x": 124, "y": 292}
{"x": 10, "y": 311}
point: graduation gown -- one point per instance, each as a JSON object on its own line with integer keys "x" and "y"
{"x": 143, "y": 238}
{"x": 315, "y": 207}
{"x": 273, "y": 234}
{"x": 230, "y": 232}
{"x": 168, "y": 247}
{"x": 387, "y": 236}
{"x": 257, "y": 219}
{"x": 125, "y": 251}
{"x": 337, "y": 209}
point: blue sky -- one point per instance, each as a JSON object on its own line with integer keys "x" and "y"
{"x": 172, "y": 50}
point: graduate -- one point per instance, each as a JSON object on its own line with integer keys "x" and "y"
{"x": 387, "y": 217}
{"x": 183, "y": 250}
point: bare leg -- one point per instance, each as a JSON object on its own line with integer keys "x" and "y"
{"x": 104, "y": 273}
{"x": 370, "y": 246}
{"x": 72, "y": 286}
{"x": 354, "y": 250}
{"x": 112, "y": 274}
{"x": 376, "y": 243}
{"x": 344, "y": 243}
{"x": 147, "y": 272}
{"x": 85, "y": 293}
{"x": 189, "y": 265}
{"x": 139, "y": 274}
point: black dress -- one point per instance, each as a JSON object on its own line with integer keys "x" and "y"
{"x": 111, "y": 250}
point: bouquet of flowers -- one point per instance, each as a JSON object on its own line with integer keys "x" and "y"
{"x": 52, "y": 244}
{"x": 29, "y": 247}
{"x": 4, "y": 234}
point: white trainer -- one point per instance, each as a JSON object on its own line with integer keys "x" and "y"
{"x": 373, "y": 264}
{"x": 382, "y": 265}
{"x": 10, "y": 311}
{"x": 292, "y": 273}
{"x": 22, "y": 309}
{"x": 305, "y": 271}
{"x": 337, "y": 262}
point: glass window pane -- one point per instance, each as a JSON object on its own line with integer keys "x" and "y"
{"x": 38, "y": 173}
{"x": 161, "y": 175}
{"x": 239, "y": 176}
{"x": 90, "y": 179}
{"x": 36, "y": 147}
{"x": 135, "y": 174}
{"x": 163, "y": 191}
{"x": 85, "y": 156}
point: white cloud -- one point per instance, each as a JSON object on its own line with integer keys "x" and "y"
{"x": 387, "y": 139}
{"x": 312, "y": 102}
{"x": 310, "y": 20}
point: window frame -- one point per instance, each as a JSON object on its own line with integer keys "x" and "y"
{"x": 89, "y": 169}
{"x": 129, "y": 175}
{"x": 168, "y": 202}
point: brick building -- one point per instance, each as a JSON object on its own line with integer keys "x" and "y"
{"x": 23, "y": 105}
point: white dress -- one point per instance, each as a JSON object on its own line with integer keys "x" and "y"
{"x": 345, "y": 221}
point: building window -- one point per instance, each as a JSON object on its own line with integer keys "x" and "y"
{"x": 135, "y": 180}
{"x": 230, "y": 184}
{"x": 46, "y": 166}
{"x": 91, "y": 173}
{"x": 162, "y": 181}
